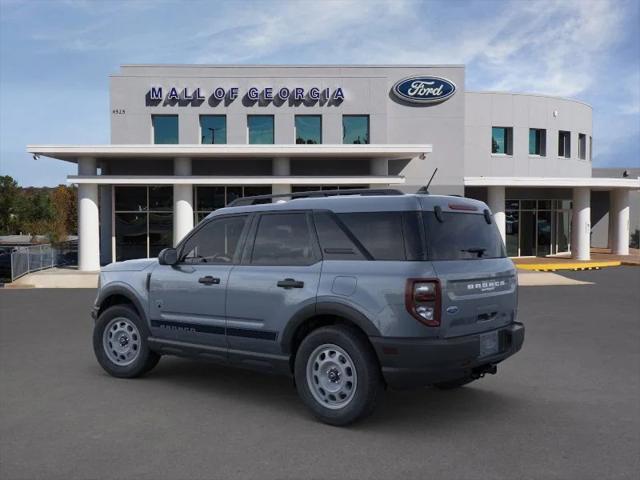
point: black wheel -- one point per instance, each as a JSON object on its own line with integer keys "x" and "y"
{"x": 337, "y": 375}
{"x": 120, "y": 343}
{"x": 451, "y": 384}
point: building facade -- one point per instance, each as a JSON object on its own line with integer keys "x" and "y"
{"x": 188, "y": 139}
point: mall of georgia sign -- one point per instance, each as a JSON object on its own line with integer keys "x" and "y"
{"x": 423, "y": 89}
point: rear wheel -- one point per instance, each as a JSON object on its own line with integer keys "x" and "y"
{"x": 120, "y": 343}
{"x": 451, "y": 384}
{"x": 337, "y": 375}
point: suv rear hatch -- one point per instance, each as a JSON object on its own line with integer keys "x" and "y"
{"x": 478, "y": 282}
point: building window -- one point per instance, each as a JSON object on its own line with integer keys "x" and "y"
{"x": 261, "y": 129}
{"x": 165, "y": 129}
{"x": 537, "y": 142}
{"x": 316, "y": 188}
{"x": 582, "y": 146}
{"x": 355, "y": 129}
{"x": 143, "y": 221}
{"x": 502, "y": 140}
{"x": 590, "y": 148}
{"x": 564, "y": 144}
{"x": 308, "y": 129}
{"x": 208, "y": 198}
{"x": 213, "y": 129}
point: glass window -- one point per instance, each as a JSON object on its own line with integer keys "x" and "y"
{"x": 131, "y": 199}
{"x": 308, "y": 129}
{"x": 209, "y": 199}
{"x": 387, "y": 243}
{"x": 355, "y": 129}
{"x": 160, "y": 232}
{"x": 511, "y": 226}
{"x": 161, "y": 198}
{"x": 590, "y": 148}
{"x": 213, "y": 129}
{"x": 233, "y": 193}
{"x": 502, "y": 140}
{"x": 131, "y": 236}
{"x": 334, "y": 241}
{"x": 582, "y": 146}
{"x": 261, "y": 130}
{"x": 564, "y": 144}
{"x": 283, "y": 239}
{"x": 462, "y": 236}
{"x": 256, "y": 191}
{"x": 215, "y": 243}
{"x": 165, "y": 128}
{"x": 537, "y": 141}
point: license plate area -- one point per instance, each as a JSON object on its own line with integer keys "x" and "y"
{"x": 489, "y": 344}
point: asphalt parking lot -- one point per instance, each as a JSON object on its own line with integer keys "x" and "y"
{"x": 566, "y": 407}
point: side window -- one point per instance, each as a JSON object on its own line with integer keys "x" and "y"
{"x": 283, "y": 239}
{"x": 214, "y": 243}
{"x": 334, "y": 242}
{"x": 381, "y": 233}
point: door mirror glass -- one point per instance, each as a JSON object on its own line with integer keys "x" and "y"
{"x": 168, "y": 256}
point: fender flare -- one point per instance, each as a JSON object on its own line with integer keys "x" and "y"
{"x": 124, "y": 290}
{"x": 326, "y": 308}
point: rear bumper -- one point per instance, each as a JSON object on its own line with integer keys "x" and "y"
{"x": 410, "y": 362}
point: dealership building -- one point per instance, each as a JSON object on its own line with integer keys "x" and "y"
{"x": 188, "y": 139}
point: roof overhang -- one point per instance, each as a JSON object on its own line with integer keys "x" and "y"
{"x": 595, "y": 183}
{"x": 238, "y": 180}
{"x": 72, "y": 153}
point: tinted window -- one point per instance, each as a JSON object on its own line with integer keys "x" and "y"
{"x": 379, "y": 232}
{"x": 213, "y": 129}
{"x": 355, "y": 129}
{"x": 308, "y": 129}
{"x": 462, "y": 236}
{"x": 260, "y": 129}
{"x": 165, "y": 128}
{"x": 283, "y": 239}
{"x": 334, "y": 241}
{"x": 215, "y": 243}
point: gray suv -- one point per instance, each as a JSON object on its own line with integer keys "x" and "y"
{"x": 348, "y": 294}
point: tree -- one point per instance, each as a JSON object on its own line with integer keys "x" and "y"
{"x": 9, "y": 192}
{"x": 64, "y": 221}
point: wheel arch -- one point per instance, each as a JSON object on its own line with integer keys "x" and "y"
{"x": 111, "y": 295}
{"x": 323, "y": 314}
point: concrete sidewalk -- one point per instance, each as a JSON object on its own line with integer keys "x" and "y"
{"x": 57, "y": 278}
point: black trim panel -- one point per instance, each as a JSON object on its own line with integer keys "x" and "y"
{"x": 214, "y": 329}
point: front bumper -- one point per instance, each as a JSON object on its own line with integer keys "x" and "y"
{"x": 412, "y": 362}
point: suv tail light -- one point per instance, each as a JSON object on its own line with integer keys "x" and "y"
{"x": 423, "y": 299}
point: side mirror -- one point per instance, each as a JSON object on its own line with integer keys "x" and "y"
{"x": 168, "y": 256}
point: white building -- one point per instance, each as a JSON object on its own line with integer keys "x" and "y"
{"x": 187, "y": 139}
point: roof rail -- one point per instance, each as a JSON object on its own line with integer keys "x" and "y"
{"x": 245, "y": 201}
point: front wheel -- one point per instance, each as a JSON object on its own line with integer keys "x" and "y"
{"x": 337, "y": 375}
{"x": 120, "y": 343}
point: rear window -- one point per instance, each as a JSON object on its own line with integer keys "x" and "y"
{"x": 462, "y": 236}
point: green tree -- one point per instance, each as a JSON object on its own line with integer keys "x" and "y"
{"x": 9, "y": 198}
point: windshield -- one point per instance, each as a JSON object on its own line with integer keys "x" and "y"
{"x": 462, "y": 236}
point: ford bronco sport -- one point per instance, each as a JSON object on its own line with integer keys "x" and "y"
{"x": 348, "y": 294}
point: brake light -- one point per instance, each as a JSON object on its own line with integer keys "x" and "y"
{"x": 423, "y": 300}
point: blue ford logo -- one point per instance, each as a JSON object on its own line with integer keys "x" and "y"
{"x": 424, "y": 89}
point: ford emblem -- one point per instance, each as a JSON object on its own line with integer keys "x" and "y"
{"x": 424, "y": 89}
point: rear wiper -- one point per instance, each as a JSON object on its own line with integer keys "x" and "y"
{"x": 478, "y": 251}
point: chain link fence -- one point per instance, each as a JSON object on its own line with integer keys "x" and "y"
{"x": 33, "y": 258}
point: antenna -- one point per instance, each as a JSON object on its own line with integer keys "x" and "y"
{"x": 425, "y": 189}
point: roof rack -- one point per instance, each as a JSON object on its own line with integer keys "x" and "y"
{"x": 245, "y": 201}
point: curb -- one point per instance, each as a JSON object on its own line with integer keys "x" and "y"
{"x": 574, "y": 266}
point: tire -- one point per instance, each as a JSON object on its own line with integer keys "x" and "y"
{"x": 332, "y": 357}
{"x": 452, "y": 384}
{"x": 123, "y": 351}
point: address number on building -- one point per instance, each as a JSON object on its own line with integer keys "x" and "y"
{"x": 118, "y": 111}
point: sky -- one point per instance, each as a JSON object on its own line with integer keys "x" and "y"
{"x": 56, "y": 56}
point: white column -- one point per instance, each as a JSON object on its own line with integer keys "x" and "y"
{"x": 619, "y": 221}
{"x": 182, "y": 201}
{"x": 88, "y": 219}
{"x": 281, "y": 168}
{"x": 496, "y": 202}
{"x": 380, "y": 168}
{"x": 581, "y": 224}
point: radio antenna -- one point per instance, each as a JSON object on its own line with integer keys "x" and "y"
{"x": 425, "y": 189}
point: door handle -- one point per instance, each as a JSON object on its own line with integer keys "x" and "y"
{"x": 209, "y": 280}
{"x": 290, "y": 283}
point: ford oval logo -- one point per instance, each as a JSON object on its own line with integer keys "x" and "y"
{"x": 424, "y": 89}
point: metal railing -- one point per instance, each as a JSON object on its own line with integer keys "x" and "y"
{"x": 39, "y": 257}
